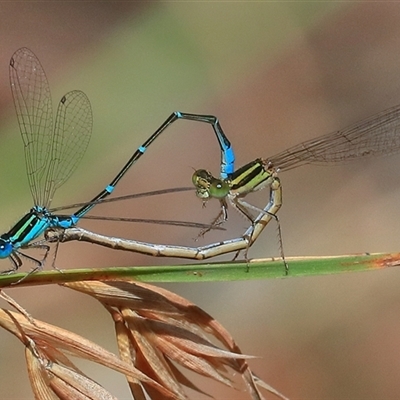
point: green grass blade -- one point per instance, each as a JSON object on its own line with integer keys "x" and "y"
{"x": 213, "y": 272}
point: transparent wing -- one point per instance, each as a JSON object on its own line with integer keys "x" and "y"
{"x": 376, "y": 135}
{"x": 73, "y": 129}
{"x": 32, "y": 101}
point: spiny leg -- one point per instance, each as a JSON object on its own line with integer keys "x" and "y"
{"x": 17, "y": 262}
{"x": 220, "y": 219}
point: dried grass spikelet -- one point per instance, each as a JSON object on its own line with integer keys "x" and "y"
{"x": 53, "y": 375}
{"x": 157, "y": 330}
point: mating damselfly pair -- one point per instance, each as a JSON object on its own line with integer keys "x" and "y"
{"x": 53, "y": 153}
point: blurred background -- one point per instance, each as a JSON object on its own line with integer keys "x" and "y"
{"x": 275, "y": 74}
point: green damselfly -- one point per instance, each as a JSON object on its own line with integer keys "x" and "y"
{"x": 376, "y": 135}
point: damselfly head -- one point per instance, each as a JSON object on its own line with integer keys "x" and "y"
{"x": 5, "y": 246}
{"x": 207, "y": 186}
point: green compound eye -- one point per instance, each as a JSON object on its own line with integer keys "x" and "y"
{"x": 218, "y": 188}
